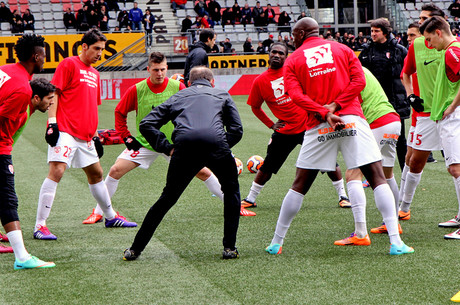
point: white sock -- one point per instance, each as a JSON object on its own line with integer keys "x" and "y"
{"x": 340, "y": 188}
{"x": 291, "y": 205}
{"x": 213, "y": 185}
{"x": 358, "y": 206}
{"x": 412, "y": 181}
{"x": 403, "y": 181}
{"x": 112, "y": 185}
{"x": 394, "y": 189}
{"x": 384, "y": 201}
{"x": 457, "y": 189}
{"x": 45, "y": 202}
{"x": 254, "y": 191}
{"x": 101, "y": 194}
{"x": 17, "y": 243}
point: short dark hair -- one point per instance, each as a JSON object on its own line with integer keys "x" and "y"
{"x": 435, "y": 23}
{"x": 92, "y": 36}
{"x": 26, "y": 46}
{"x": 382, "y": 24}
{"x": 156, "y": 57}
{"x": 414, "y": 25}
{"x": 433, "y": 9}
{"x": 41, "y": 87}
{"x": 200, "y": 72}
{"x": 206, "y": 34}
{"x": 278, "y": 43}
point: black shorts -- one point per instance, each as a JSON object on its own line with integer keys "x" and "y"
{"x": 279, "y": 148}
{"x": 8, "y": 198}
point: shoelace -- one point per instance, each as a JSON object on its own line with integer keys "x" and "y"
{"x": 45, "y": 230}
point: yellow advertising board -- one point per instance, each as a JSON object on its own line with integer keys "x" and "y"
{"x": 238, "y": 61}
{"x": 59, "y": 47}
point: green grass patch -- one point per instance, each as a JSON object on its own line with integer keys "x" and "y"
{"x": 183, "y": 265}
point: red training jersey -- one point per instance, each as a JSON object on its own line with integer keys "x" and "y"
{"x": 79, "y": 97}
{"x": 269, "y": 87}
{"x": 128, "y": 103}
{"x": 15, "y": 96}
{"x": 321, "y": 72}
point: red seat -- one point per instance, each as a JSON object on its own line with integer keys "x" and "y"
{"x": 13, "y": 7}
{"x": 12, "y": 2}
{"x": 23, "y": 2}
{"x": 67, "y": 5}
{"x": 24, "y": 7}
{"x": 77, "y": 6}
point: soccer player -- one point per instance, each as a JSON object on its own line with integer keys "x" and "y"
{"x": 325, "y": 78}
{"x": 141, "y": 97}
{"x": 3, "y": 248}
{"x": 17, "y": 101}
{"x": 445, "y": 109}
{"x": 203, "y": 117}
{"x": 424, "y": 60}
{"x": 288, "y": 131}
{"x": 385, "y": 125}
{"x": 71, "y": 133}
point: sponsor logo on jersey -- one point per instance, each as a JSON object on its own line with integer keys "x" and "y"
{"x": 319, "y": 55}
{"x": 453, "y": 55}
{"x": 57, "y": 149}
{"x": 11, "y": 168}
{"x": 278, "y": 87}
{"x": 3, "y": 78}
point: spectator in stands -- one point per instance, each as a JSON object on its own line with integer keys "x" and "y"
{"x": 5, "y": 13}
{"x": 270, "y": 14}
{"x": 113, "y": 5}
{"x": 267, "y": 43}
{"x": 236, "y": 11}
{"x": 148, "y": 21}
{"x": 259, "y": 17}
{"x": 103, "y": 17}
{"x": 135, "y": 17}
{"x": 17, "y": 25}
{"x": 284, "y": 22}
{"x": 228, "y": 17}
{"x": 201, "y": 8}
{"x": 116, "y": 29}
{"x": 214, "y": 11}
{"x": 215, "y": 49}
{"x": 247, "y": 46}
{"x": 246, "y": 14}
{"x": 302, "y": 15}
{"x": 123, "y": 20}
{"x": 454, "y": 9}
{"x": 98, "y": 4}
{"x": 69, "y": 19}
{"x": 93, "y": 18}
{"x": 29, "y": 20}
{"x": 175, "y": 4}
{"x": 289, "y": 42}
{"x": 204, "y": 22}
{"x": 186, "y": 24}
{"x": 226, "y": 46}
{"x": 89, "y": 4}
{"x": 260, "y": 48}
{"x": 82, "y": 19}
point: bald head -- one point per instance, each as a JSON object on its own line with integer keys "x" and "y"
{"x": 303, "y": 29}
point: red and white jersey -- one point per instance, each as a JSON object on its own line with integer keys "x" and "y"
{"x": 77, "y": 103}
{"x": 15, "y": 96}
{"x": 321, "y": 72}
{"x": 269, "y": 87}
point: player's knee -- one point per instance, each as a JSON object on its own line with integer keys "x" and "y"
{"x": 56, "y": 173}
{"x": 8, "y": 215}
{"x": 454, "y": 170}
{"x": 115, "y": 172}
{"x": 204, "y": 174}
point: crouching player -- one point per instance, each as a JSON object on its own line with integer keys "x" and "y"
{"x": 386, "y": 126}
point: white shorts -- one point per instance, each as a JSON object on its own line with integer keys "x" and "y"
{"x": 426, "y": 136}
{"x": 386, "y": 137}
{"x": 144, "y": 157}
{"x": 410, "y": 136}
{"x": 449, "y": 131}
{"x": 321, "y": 145}
{"x": 73, "y": 151}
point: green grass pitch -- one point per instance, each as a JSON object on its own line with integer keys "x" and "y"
{"x": 183, "y": 265}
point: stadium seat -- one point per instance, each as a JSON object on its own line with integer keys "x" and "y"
{"x": 6, "y": 33}
{"x": 38, "y": 25}
{"x": 283, "y": 2}
{"x": 255, "y": 39}
{"x": 410, "y": 6}
{"x": 129, "y": 5}
{"x": 66, "y": 5}
{"x": 5, "y": 26}
{"x": 76, "y": 1}
{"x": 24, "y": 7}
{"x": 59, "y": 24}
{"x": 112, "y": 15}
{"x": 295, "y": 9}
{"x": 47, "y": 16}
{"x": 77, "y": 6}
{"x": 13, "y": 7}
{"x": 180, "y": 13}
{"x": 23, "y": 2}
{"x": 239, "y": 28}
{"x": 113, "y": 23}
{"x": 414, "y": 14}
{"x": 34, "y": 1}
{"x": 61, "y": 31}
{"x": 250, "y": 27}
{"x": 55, "y": 1}
{"x": 28, "y": 32}
{"x": 252, "y": 3}
{"x": 242, "y": 37}
{"x": 56, "y": 7}
{"x": 263, "y": 36}
{"x": 71, "y": 31}
{"x": 272, "y": 27}
{"x": 65, "y": 1}
{"x": 48, "y": 25}
{"x": 189, "y": 5}
{"x": 12, "y": 2}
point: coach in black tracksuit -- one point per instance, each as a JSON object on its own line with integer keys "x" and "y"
{"x": 207, "y": 125}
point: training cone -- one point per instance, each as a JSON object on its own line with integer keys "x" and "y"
{"x": 456, "y": 297}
